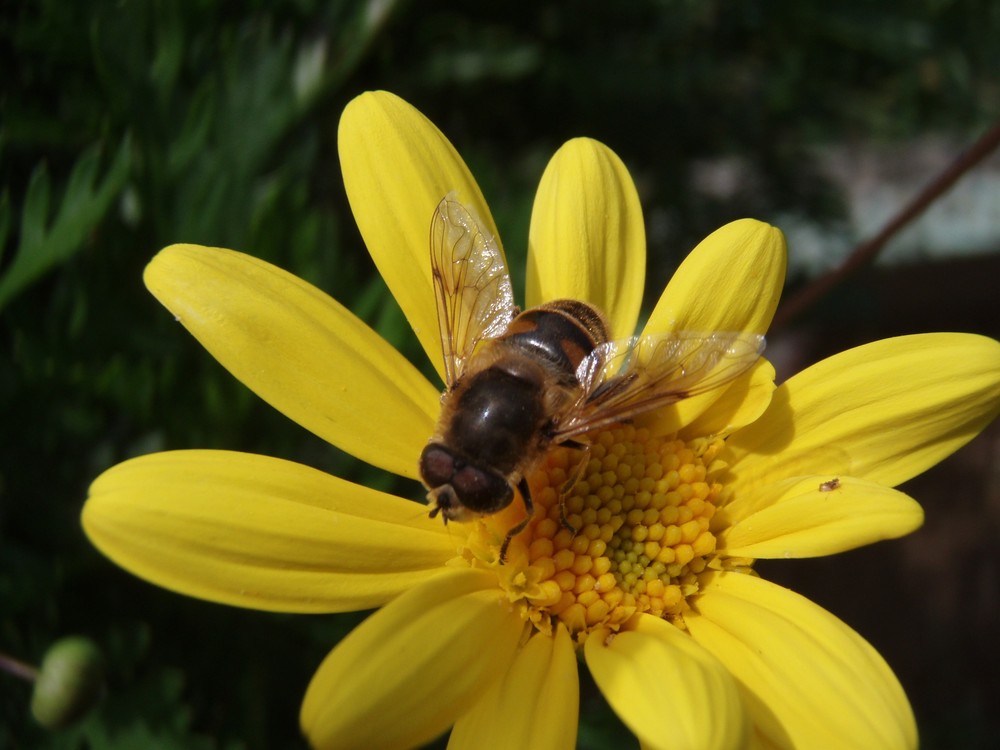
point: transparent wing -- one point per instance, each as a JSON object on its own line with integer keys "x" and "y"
{"x": 471, "y": 284}
{"x": 625, "y": 378}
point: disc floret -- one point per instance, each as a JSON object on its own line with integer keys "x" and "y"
{"x": 641, "y": 508}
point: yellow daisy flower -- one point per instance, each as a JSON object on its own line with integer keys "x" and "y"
{"x": 655, "y": 592}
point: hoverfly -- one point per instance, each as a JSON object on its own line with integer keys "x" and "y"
{"x": 520, "y": 383}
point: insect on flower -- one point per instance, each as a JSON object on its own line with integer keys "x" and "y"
{"x": 520, "y": 383}
{"x": 830, "y": 485}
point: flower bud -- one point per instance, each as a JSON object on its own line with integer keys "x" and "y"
{"x": 70, "y": 682}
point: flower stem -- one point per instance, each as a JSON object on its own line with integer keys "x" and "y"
{"x": 866, "y": 251}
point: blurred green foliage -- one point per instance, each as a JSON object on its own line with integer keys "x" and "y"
{"x": 126, "y": 125}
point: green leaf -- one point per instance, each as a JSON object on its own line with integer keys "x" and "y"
{"x": 4, "y": 221}
{"x": 86, "y": 201}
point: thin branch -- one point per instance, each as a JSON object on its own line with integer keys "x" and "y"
{"x": 865, "y": 252}
{"x": 17, "y": 668}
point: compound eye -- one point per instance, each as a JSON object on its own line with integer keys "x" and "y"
{"x": 482, "y": 491}
{"x": 437, "y": 465}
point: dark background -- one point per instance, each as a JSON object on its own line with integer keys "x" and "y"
{"x": 128, "y": 125}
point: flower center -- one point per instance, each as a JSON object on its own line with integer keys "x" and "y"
{"x": 641, "y": 507}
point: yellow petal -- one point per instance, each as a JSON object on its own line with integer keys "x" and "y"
{"x": 808, "y": 679}
{"x": 535, "y": 706}
{"x": 738, "y": 405}
{"x": 884, "y": 412}
{"x": 300, "y": 351}
{"x": 404, "y": 675}
{"x": 730, "y": 282}
{"x": 760, "y": 742}
{"x": 717, "y": 412}
{"x": 397, "y": 167}
{"x": 587, "y": 240}
{"x": 260, "y": 532}
{"x": 813, "y": 516}
{"x": 666, "y": 688}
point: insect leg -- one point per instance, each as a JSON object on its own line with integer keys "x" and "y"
{"x": 529, "y": 508}
{"x": 570, "y": 483}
